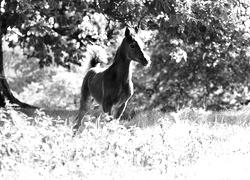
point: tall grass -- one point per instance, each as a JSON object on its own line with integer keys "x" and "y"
{"x": 188, "y": 144}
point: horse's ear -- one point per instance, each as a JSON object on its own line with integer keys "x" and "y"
{"x": 127, "y": 32}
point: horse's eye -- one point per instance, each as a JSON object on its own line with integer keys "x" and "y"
{"x": 132, "y": 46}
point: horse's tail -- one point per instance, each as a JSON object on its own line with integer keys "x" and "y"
{"x": 96, "y": 55}
{"x": 94, "y": 61}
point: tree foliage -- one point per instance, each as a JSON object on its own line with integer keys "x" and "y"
{"x": 53, "y": 31}
{"x": 216, "y": 70}
{"x": 210, "y": 39}
{"x": 200, "y": 51}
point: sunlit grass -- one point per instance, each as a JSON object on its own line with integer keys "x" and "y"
{"x": 188, "y": 144}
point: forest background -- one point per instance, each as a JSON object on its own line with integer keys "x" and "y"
{"x": 199, "y": 50}
{"x": 200, "y": 59}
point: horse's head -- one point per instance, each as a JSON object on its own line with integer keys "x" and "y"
{"x": 134, "y": 49}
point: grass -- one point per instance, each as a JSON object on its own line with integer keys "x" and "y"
{"x": 188, "y": 144}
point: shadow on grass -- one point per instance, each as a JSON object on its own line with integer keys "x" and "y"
{"x": 144, "y": 119}
{"x": 63, "y": 114}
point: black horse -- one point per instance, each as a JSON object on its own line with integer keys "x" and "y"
{"x": 112, "y": 87}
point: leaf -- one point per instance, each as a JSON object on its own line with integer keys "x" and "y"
{"x": 163, "y": 7}
{"x": 158, "y": 5}
{"x": 225, "y": 17}
{"x": 173, "y": 20}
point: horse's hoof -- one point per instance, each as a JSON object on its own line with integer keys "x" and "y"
{"x": 110, "y": 118}
{"x": 74, "y": 132}
{"x": 75, "y": 129}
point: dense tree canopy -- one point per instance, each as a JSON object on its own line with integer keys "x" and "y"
{"x": 52, "y": 31}
{"x": 210, "y": 39}
{"x": 200, "y": 49}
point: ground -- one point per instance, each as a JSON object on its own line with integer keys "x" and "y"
{"x": 188, "y": 144}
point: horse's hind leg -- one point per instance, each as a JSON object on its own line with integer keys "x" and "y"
{"x": 119, "y": 111}
{"x": 84, "y": 103}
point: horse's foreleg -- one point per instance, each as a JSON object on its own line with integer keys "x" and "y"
{"x": 107, "y": 107}
{"x": 119, "y": 111}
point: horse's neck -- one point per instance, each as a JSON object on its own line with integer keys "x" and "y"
{"x": 122, "y": 66}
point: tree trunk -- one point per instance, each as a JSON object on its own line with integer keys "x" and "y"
{"x": 5, "y": 93}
